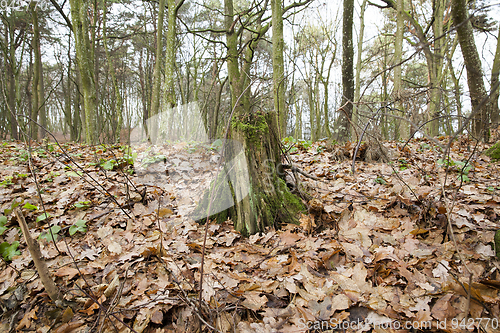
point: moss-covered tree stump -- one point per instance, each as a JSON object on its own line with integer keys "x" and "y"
{"x": 249, "y": 190}
{"x": 494, "y": 151}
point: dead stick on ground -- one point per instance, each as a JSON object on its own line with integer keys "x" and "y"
{"x": 36, "y": 255}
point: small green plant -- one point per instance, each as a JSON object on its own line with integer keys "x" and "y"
{"x": 7, "y": 181}
{"x": 109, "y": 165}
{"x": 13, "y": 205}
{"x": 152, "y": 159}
{"x": 216, "y": 145}
{"x": 9, "y": 251}
{"x": 82, "y": 204}
{"x": 22, "y": 156}
{"x": 30, "y": 206}
{"x": 380, "y": 180}
{"x": 403, "y": 164}
{"x": 74, "y": 173}
{"x": 79, "y": 226}
{"x": 3, "y": 222}
{"x": 42, "y": 217}
{"x": 47, "y": 235}
{"x": 462, "y": 168}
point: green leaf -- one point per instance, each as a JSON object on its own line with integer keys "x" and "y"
{"x": 79, "y": 226}
{"x": 380, "y": 180}
{"x": 109, "y": 165}
{"x": 42, "y": 217}
{"x": 9, "y": 251}
{"x": 47, "y": 236}
{"x": 82, "y": 204}
{"x": 74, "y": 174}
{"x": 30, "y": 206}
{"x": 3, "y": 222}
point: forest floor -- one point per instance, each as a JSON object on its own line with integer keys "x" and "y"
{"x": 374, "y": 250}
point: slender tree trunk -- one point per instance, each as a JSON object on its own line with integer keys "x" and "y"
{"x": 118, "y": 116}
{"x": 85, "y": 59}
{"x": 357, "y": 80}
{"x": 170, "y": 56}
{"x": 347, "y": 71}
{"x": 155, "y": 97}
{"x": 495, "y": 88}
{"x": 401, "y": 129}
{"x": 477, "y": 90}
{"x": 278, "y": 65}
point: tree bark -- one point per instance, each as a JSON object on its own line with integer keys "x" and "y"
{"x": 347, "y": 72}
{"x": 170, "y": 56}
{"x": 477, "y": 90}
{"x": 155, "y": 97}
{"x": 495, "y": 88}
{"x": 79, "y": 17}
{"x": 118, "y": 114}
{"x": 278, "y": 65}
{"x": 401, "y": 128}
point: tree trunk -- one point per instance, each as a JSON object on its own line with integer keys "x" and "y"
{"x": 170, "y": 56}
{"x": 118, "y": 114}
{"x": 278, "y": 65}
{"x": 495, "y": 88}
{"x": 401, "y": 128}
{"x": 477, "y": 90}
{"x": 79, "y": 17}
{"x": 155, "y": 98}
{"x": 347, "y": 72}
{"x": 357, "y": 80}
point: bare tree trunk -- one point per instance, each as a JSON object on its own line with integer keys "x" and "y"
{"x": 85, "y": 59}
{"x": 278, "y": 65}
{"x": 495, "y": 88}
{"x": 347, "y": 72}
{"x": 477, "y": 90}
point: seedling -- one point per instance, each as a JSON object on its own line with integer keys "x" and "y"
{"x": 3, "y": 222}
{"x": 30, "y": 206}
{"x": 82, "y": 204}
{"x": 42, "y": 217}
{"x": 79, "y": 226}
{"x": 47, "y": 235}
{"x": 9, "y": 251}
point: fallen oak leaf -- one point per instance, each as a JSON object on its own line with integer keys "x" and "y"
{"x": 26, "y": 321}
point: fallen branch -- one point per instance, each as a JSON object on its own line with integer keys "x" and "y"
{"x": 36, "y": 255}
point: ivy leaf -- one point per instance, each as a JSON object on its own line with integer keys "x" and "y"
{"x": 3, "y": 222}
{"x": 109, "y": 165}
{"x": 9, "y": 251}
{"x": 47, "y": 236}
{"x": 42, "y": 217}
{"x": 73, "y": 173}
{"x": 30, "y": 206}
{"x": 80, "y": 226}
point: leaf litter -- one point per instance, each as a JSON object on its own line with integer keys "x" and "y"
{"x": 374, "y": 248}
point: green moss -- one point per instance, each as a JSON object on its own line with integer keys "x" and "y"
{"x": 291, "y": 201}
{"x": 253, "y": 126}
{"x": 494, "y": 152}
